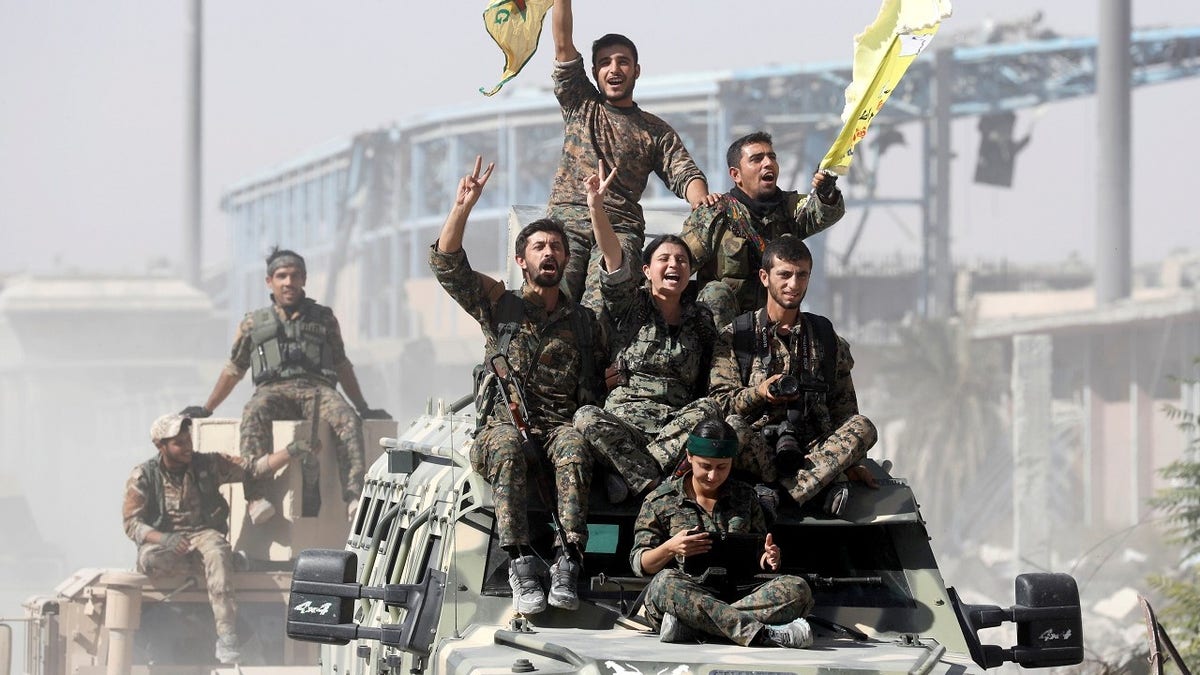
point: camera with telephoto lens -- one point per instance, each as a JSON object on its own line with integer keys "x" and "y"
{"x": 786, "y": 437}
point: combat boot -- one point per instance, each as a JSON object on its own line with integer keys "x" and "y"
{"x": 564, "y": 574}
{"x": 528, "y": 596}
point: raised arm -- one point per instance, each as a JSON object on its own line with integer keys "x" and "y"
{"x": 562, "y": 23}
{"x": 469, "y": 189}
{"x": 596, "y": 186}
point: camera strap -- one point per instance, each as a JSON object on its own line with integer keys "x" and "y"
{"x": 804, "y": 344}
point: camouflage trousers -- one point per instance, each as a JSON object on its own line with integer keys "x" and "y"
{"x": 581, "y": 279}
{"x": 781, "y": 600}
{"x": 211, "y": 556}
{"x": 496, "y": 455}
{"x": 640, "y": 458}
{"x": 825, "y": 461}
{"x": 721, "y": 300}
{"x": 293, "y": 400}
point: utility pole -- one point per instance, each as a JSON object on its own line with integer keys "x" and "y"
{"x": 1113, "y": 175}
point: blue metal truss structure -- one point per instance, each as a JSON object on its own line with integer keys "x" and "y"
{"x": 377, "y": 199}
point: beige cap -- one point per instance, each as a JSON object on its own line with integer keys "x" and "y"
{"x": 166, "y": 427}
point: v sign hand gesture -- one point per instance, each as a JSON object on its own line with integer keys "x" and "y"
{"x": 597, "y": 185}
{"x": 606, "y": 240}
{"x": 471, "y": 185}
{"x": 469, "y": 189}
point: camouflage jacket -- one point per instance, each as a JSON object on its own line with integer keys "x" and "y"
{"x": 182, "y": 502}
{"x": 663, "y": 368}
{"x": 668, "y": 509}
{"x": 711, "y": 232}
{"x": 632, "y": 141}
{"x": 822, "y": 412}
{"x": 552, "y": 388}
{"x": 243, "y": 346}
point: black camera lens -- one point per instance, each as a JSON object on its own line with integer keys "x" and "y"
{"x": 787, "y": 385}
{"x": 789, "y": 455}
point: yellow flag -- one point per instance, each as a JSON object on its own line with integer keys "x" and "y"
{"x": 515, "y": 25}
{"x": 882, "y": 53}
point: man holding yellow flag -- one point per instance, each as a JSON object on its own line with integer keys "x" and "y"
{"x": 602, "y": 122}
{"x": 728, "y": 238}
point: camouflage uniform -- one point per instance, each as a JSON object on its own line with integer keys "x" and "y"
{"x": 727, "y": 241}
{"x": 292, "y": 399}
{"x": 646, "y": 419}
{"x": 629, "y": 140}
{"x": 177, "y": 503}
{"x": 669, "y": 510}
{"x": 552, "y": 392}
{"x": 837, "y": 436}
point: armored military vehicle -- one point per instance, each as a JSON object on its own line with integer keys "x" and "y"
{"x": 117, "y": 621}
{"x": 422, "y": 587}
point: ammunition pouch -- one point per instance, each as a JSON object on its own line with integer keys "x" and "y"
{"x": 298, "y": 348}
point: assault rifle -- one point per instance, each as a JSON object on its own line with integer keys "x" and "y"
{"x": 514, "y": 399}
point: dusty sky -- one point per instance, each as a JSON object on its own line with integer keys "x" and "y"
{"x": 91, "y": 112}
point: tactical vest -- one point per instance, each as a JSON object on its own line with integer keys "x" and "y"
{"x": 744, "y": 345}
{"x": 214, "y": 510}
{"x": 510, "y": 316}
{"x": 282, "y": 350}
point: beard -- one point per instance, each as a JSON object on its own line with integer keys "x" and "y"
{"x": 546, "y": 278}
{"x": 786, "y": 303}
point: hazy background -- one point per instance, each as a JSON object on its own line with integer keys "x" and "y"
{"x": 91, "y": 112}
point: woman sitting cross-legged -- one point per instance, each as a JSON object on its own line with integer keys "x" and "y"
{"x": 683, "y": 517}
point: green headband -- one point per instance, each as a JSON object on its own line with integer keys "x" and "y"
{"x": 709, "y": 447}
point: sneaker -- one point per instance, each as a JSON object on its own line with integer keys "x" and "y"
{"x": 674, "y": 630}
{"x": 795, "y": 635}
{"x": 618, "y": 490}
{"x": 227, "y": 649}
{"x": 564, "y": 574}
{"x": 528, "y": 597}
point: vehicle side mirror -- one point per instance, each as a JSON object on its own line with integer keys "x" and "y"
{"x": 313, "y": 616}
{"x": 1049, "y": 623}
{"x": 321, "y": 603}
